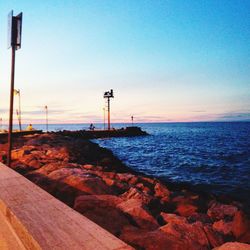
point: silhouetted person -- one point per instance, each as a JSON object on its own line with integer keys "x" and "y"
{"x": 91, "y": 126}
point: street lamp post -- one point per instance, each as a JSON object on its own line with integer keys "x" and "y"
{"x": 47, "y": 121}
{"x": 108, "y": 95}
{"x": 15, "y": 31}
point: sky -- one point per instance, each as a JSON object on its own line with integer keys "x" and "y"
{"x": 167, "y": 61}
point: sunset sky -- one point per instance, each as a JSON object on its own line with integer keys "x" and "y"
{"x": 171, "y": 60}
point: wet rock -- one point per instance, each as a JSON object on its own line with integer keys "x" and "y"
{"x": 139, "y": 213}
{"x": 102, "y": 210}
{"x": 233, "y": 246}
{"x": 218, "y": 211}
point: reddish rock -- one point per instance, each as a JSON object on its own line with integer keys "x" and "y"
{"x": 134, "y": 193}
{"x": 102, "y": 210}
{"x": 234, "y": 246}
{"x": 152, "y": 240}
{"x": 128, "y": 178}
{"x": 223, "y": 227}
{"x": 215, "y": 238}
{"x": 204, "y": 218}
{"x": 167, "y": 218}
{"x": 191, "y": 236}
{"x": 161, "y": 191}
{"x": 245, "y": 238}
{"x": 218, "y": 211}
{"x": 139, "y": 213}
{"x": 186, "y": 209}
{"x": 240, "y": 224}
{"x": 81, "y": 180}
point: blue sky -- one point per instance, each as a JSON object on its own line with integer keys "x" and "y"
{"x": 166, "y": 60}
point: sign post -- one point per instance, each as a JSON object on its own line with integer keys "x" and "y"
{"x": 15, "y": 32}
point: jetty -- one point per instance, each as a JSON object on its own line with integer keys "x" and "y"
{"x": 95, "y": 134}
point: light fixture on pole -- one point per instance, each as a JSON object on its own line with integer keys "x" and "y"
{"x": 108, "y": 95}
{"x": 15, "y": 32}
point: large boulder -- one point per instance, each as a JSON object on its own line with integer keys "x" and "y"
{"x": 241, "y": 224}
{"x": 233, "y": 246}
{"x": 150, "y": 240}
{"x": 219, "y": 211}
{"x": 102, "y": 210}
{"x": 140, "y": 214}
{"x": 223, "y": 227}
{"x": 192, "y": 236}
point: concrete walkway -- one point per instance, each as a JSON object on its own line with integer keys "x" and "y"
{"x": 30, "y": 218}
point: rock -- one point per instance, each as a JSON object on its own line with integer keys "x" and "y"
{"x": 150, "y": 240}
{"x": 134, "y": 193}
{"x": 215, "y": 238}
{"x": 245, "y": 238}
{"x": 167, "y": 218}
{"x": 240, "y": 224}
{"x": 139, "y": 213}
{"x": 204, "y": 218}
{"x": 218, "y": 211}
{"x": 233, "y": 246}
{"x": 161, "y": 191}
{"x": 186, "y": 209}
{"x": 191, "y": 236}
{"x": 223, "y": 227}
{"x": 81, "y": 180}
{"x": 102, "y": 210}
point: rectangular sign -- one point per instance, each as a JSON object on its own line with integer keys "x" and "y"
{"x": 19, "y": 20}
{"x": 15, "y": 30}
{"x": 10, "y": 16}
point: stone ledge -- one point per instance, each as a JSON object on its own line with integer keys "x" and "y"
{"x": 42, "y": 222}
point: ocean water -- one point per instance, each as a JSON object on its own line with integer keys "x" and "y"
{"x": 214, "y": 156}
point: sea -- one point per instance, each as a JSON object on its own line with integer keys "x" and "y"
{"x": 212, "y": 156}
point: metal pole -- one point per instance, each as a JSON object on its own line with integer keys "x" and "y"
{"x": 47, "y": 125}
{"x": 19, "y": 112}
{"x": 108, "y": 114}
{"x": 11, "y": 104}
{"x": 104, "y": 118}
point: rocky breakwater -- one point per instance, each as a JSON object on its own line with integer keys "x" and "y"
{"x": 140, "y": 210}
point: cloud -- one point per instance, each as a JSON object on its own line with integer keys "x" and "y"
{"x": 235, "y": 116}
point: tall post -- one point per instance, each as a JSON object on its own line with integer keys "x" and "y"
{"x": 47, "y": 122}
{"x": 15, "y": 32}
{"x": 104, "y": 118}
{"x": 108, "y": 113}
{"x": 19, "y": 110}
{"x": 108, "y": 95}
{"x": 11, "y": 104}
